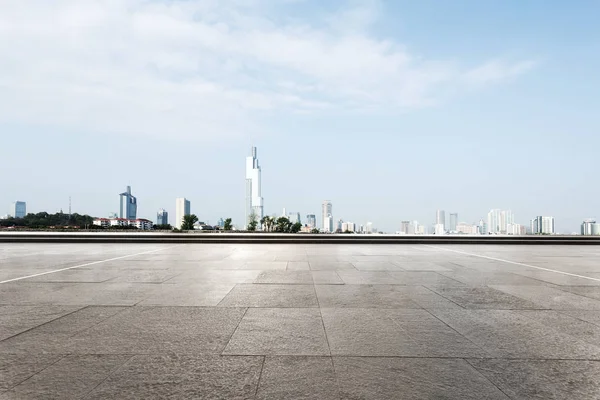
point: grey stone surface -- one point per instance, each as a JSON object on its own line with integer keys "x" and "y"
{"x": 182, "y": 377}
{"x": 17, "y": 319}
{"x": 17, "y": 368}
{"x": 405, "y": 333}
{"x": 363, "y": 296}
{"x": 253, "y": 295}
{"x": 151, "y": 330}
{"x": 198, "y": 294}
{"x": 285, "y": 277}
{"x": 543, "y": 379}
{"x": 309, "y": 321}
{"x": 300, "y": 377}
{"x": 270, "y": 331}
{"x": 483, "y": 298}
{"x": 70, "y": 378}
{"x": 406, "y": 378}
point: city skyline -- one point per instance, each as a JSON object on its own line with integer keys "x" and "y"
{"x": 500, "y": 113}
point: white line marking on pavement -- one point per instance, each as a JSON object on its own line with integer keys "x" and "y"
{"x": 514, "y": 262}
{"x": 86, "y": 265}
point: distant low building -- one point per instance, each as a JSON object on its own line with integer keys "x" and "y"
{"x": 140, "y": 223}
{"x": 589, "y": 227}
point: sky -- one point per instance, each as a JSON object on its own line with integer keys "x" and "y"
{"x": 390, "y": 109}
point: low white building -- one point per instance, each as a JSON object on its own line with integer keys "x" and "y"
{"x": 140, "y": 223}
{"x": 467, "y": 229}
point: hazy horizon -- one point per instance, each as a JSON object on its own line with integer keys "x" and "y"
{"x": 391, "y": 110}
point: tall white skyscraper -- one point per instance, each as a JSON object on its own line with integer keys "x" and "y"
{"x": 543, "y": 225}
{"x": 327, "y": 215}
{"x": 499, "y": 221}
{"x": 254, "y": 200}
{"x": 440, "y": 218}
{"x": 162, "y": 217}
{"x": 182, "y": 208}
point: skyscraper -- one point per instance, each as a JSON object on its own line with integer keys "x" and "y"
{"x": 542, "y": 225}
{"x": 182, "y": 208}
{"x": 254, "y": 200}
{"x": 327, "y": 216}
{"x": 499, "y": 221}
{"x": 128, "y": 205}
{"x": 311, "y": 220}
{"x": 453, "y": 222}
{"x": 440, "y": 218}
{"x": 18, "y": 209}
{"x": 162, "y": 217}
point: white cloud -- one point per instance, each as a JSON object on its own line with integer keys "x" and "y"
{"x": 205, "y": 68}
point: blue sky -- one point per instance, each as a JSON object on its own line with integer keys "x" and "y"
{"x": 391, "y": 109}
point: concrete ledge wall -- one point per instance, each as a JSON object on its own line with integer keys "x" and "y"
{"x": 85, "y": 237}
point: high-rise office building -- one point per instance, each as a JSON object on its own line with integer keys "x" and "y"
{"x": 543, "y": 225}
{"x": 590, "y": 227}
{"x": 254, "y": 200}
{"x": 128, "y": 205}
{"x": 294, "y": 217}
{"x": 162, "y": 217}
{"x": 440, "y": 218}
{"x": 327, "y": 213}
{"x": 453, "y": 222}
{"x": 18, "y": 209}
{"x": 182, "y": 208}
{"x": 311, "y": 220}
{"x": 406, "y": 228}
{"x": 499, "y": 221}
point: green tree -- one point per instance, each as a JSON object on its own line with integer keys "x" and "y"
{"x": 315, "y": 230}
{"x": 296, "y": 227}
{"x": 252, "y": 222}
{"x": 188, "y": 222}
{"x": 227, "y": 225}
{"x": 283, "y": 224}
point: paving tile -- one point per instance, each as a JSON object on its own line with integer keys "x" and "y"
{"x": 421, "y": 266}
{"x": 543, "y": 379}
{"x": 145, "y": 276}
{"x": 550, "y": 298}
{"x": 508, "y": 333}
{"x": 143, "y": 330}
{"x": 215, "y": 276}
{"x": 483, "y": 298}
{"x": 406, "y": 333}
{"x": 298, "y": 266}
{"x": 326, "y": 278}
{"x": 28, "y": 293}
{"x": 265, "y": 265}
{"x": 422, "y": 278}
{"x": 17, "y": 319}
{"x": 254, "y": 295}
{"x": 592, "y": 292}
{"x": 16, "y": 368}
{"x": 366, "y": 277}
{"x": 285, "y": 277}
{"x": 69, "y": 378}
{"x": 102, "y": 294}
{"x": 364, "y": 296}
{"x": 77, "y": 275}
{"x": 592, "y": 317}
{"x": 570, "y": 325}
{"x": 561, "y": 279}
{"x": 406, "y": 378}
{"x": 330, "y": 266}
{"x": 277, "y": 331}
{"x": 182, "y": 377}
{"x": 483, "y": 278}
{"x": 376, "y": 266}
{"x": 208, "y": 294}
{"x": 297, "y": 377}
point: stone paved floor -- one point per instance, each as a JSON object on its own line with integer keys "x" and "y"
{"x": 299, "y": 322}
